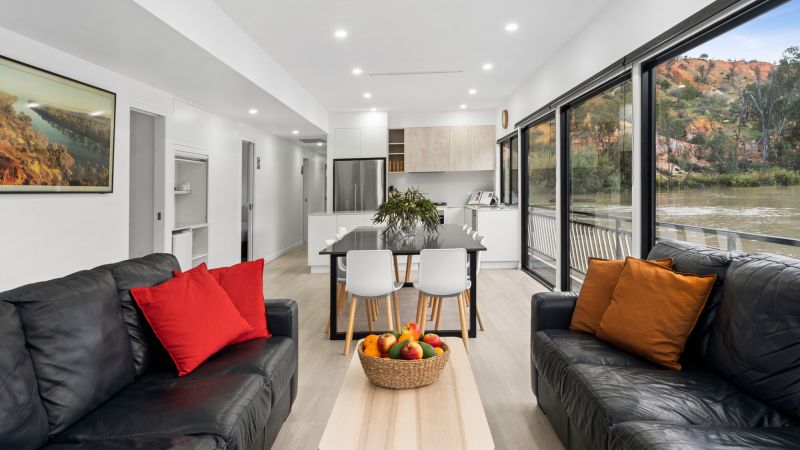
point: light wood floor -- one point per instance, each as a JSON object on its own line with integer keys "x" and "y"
{"x": 500, "y": 356}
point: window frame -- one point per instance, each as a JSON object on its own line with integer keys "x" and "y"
{"x": 509, "y": 138}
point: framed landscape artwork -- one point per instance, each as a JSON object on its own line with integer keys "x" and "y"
{"x": 56, "y": 134}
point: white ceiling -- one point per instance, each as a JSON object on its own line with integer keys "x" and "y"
{"x": 410, "y": 36}
{"x": 123, "y": 37}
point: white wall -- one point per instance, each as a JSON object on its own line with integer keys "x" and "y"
{"x": 51, "y": 235}
{"x": 450, "y": 187}
{"x": 621, "y": 28}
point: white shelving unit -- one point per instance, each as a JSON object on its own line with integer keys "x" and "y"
{"x": 191, "y": 208}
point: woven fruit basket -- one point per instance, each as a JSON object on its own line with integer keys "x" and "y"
{"x": 403, "y": 374}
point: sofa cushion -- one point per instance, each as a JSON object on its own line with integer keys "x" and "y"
{"x": 23, "y": 420}
{"x": 233, "y": 407}
{"x": 146, "y": 271}
{"x": 597, "y": 397}
{"x": 755, "y": 343}
{"x": 555, "y": 350}
{"x": 664, "y": 436}
{"x": 146, "y": 443}
{"x": 244, "y": 283}
{"x": 699, "y": 260}
{"x": 275, "y": 359}
{"x": 78, "y": 343}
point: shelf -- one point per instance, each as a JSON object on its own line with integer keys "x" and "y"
{"x": 201, "y": 255}
{"x": 396, "y": 154}
{"x": 189, "y": 226}
{"x": 189, "y": 160}
{"x": 396, "y": 143}
{"x": 177, "y": 192}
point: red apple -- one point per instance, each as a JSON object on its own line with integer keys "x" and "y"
{"x": 412, "y": 350}
{"x": 432, "y": 339}
{"x": 385, "y": 342}
{"x": 411, "y": 328}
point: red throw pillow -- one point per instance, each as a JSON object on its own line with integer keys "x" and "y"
{"x": 244, "y": 283}
{"x": 192, "y": 316}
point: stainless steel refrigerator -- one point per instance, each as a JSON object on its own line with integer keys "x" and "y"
{"x": 358, "y": 184}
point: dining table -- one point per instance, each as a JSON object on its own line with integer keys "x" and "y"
{"x": 378, "y": 238}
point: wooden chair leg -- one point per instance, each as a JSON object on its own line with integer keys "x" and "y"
{"x": 468, "y": 298}
{"x": 438, "y": 312}
{"x": 480, "y": 320}
{"x": 389, "y": 312}
{"x": 462, "y": 313}
{"x": 420, "y": 309}
{"x": 408, "y": 268}
{"x": 396, "y": 306}
{"x": 396, "y": 270}
{"x": 423, "y": 313}
{"x": 349, "y": 334}
{"x": 368, "y": 308}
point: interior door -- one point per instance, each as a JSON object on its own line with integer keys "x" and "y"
{"x": 248, "y": 158}
{"x": 306, "y": 176}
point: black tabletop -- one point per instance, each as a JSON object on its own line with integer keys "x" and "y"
{"x": 369, "y": 238}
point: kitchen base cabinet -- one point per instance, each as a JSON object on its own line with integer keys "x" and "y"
{"x": 500, "y": 226}
{"x": 323, "y": 226}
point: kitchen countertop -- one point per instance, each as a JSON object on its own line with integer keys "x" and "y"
{"x": 339, "y": 213}
{"x": 493, "y": 208}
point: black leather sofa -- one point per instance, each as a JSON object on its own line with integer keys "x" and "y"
{"x": 740, "y": 385}
{"x": 80, "y": 368}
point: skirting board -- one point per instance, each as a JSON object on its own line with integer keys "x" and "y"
{"x": 280, "y": 253}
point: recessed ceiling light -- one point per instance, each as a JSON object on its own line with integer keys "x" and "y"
{"x": 473, "y": 91}
{"x": 252, "y": 111}
{"x": 488, "y": 66}
{"x": 319, "y": 144}
{"x": 512, "y": 27}
{"x": 357, "y": 71}
{"x": 373, "y": 109}
{"x": 367, "y": 95}
{"x": 340, "y": 34}
{"x": 96, "y": 113}
{"x": 463, "y": 106}
{"x": 295, "y": 132}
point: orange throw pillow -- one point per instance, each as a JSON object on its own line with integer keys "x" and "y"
{"x": 653, "y": 310}
{"x": 601, "y": 279}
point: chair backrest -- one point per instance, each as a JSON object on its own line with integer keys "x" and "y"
{"x": 329, "y": 242}
{"x": 474, "y": 234}
{"x": 441, "y": 271}
{"x": 340, "y": 232}
{"x": 369, "y": 273}
{"x": 464, "y": 228}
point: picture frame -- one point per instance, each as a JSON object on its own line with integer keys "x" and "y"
{"x": 57, "y": 134}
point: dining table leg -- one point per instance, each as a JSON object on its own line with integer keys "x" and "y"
{"x": 473, "y": 293}
{"x": 333, "y": 309}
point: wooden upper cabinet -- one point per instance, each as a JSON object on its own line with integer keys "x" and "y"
{"x": 415, "y": 144}
{"x": 438, "y": 149}
{"x": 442, "y": 149}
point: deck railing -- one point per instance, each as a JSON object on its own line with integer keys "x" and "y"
{"x": 610, "y": 237}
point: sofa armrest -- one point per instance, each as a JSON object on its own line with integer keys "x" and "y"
{"x": 552, "y": 310}
{"x": 282, "y": 318}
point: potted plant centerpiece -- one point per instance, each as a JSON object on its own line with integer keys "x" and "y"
{"x": 405, "y": 211}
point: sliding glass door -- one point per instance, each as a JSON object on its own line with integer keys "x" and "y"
{"x": 598, "y": 150}
{"x": 539, "y": 201}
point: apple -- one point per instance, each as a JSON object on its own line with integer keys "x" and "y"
{"x": 432, "y": 339}
{"x": 411, "y": 328}
{"x": 411, "y": 350}
{"x": 385, "y": 342}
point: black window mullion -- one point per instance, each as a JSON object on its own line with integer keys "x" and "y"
{"x": 563, "y": 207}
{"x": 647, "y": 166}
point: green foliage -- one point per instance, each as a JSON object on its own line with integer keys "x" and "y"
{"x": 775, "y": 176}
{"x": 407, "y": 208}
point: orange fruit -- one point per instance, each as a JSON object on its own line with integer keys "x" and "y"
{"x": 372, "y": 350}
{"x": 372, "y": 339}
{"x": 403, "y": 337}
{"x": 438, "y": 350}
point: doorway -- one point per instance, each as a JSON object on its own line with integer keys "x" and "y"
{"x": 248, "y": 157}
{"x": 146, "y": 193}
{"x": 306, "y": 172}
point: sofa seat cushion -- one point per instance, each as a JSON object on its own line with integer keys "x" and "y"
{"x": 233, "y": 407}
{"x": 598, "y": 397}
{"x": 555, "y": 350}
{"x": 78, "y": 343}
{"x": 146, "y": 443}
{"x": 664, "y": 436}
{"x": 274, "y": 358}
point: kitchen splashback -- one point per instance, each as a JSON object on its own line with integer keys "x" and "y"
{"x": 451, "y": 187}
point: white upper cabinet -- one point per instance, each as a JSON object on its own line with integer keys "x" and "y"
{"x": 348, "y": 142}
{"x": 374, "y": 142}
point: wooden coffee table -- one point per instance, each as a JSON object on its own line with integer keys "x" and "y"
{"x": 445, "y": 415}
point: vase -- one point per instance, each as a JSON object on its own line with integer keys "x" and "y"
{"x": 408, "y": 228}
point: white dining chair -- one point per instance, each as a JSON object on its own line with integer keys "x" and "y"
{"x": 464, "y": 227}
{"x": 442, "y": 275}
{"x": 340, "y": 232}
{"x": 369, "y": 277}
